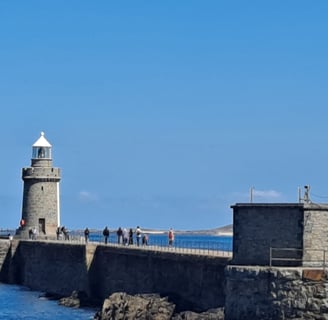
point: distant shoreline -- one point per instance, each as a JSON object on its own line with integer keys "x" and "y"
{"x": 207, "y": 233}
{"x": 225, "y": 231}
{"x": 226, "y": 234}
{"x": 221, "y": 231}
{"x": 160, "y": 232}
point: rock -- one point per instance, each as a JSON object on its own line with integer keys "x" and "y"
{"x": 213, "y": 314}
{"x": 76, "y": 300}
{"x": 121, "y": 306}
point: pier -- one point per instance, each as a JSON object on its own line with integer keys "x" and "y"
{"x": 192, "y": 278}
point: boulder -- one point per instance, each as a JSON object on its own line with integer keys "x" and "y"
{"x": 121, "y": 306}
{"x": 76, "y": 300}
{"x": 212, "y": 314}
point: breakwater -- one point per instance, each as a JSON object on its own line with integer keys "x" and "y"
{"x": 192, "y": 282}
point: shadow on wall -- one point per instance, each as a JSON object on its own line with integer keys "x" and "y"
{"x": 50, "y": 267}
{"x": 6, "y": 261}
{"x": 191, "y": 282}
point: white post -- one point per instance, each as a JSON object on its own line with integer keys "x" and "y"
{"x": 299, "y": 195}
{"x": 251, "y": 194}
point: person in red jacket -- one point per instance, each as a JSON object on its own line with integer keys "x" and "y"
{"x": 171, "y": 237}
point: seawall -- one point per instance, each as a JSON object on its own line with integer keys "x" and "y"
{"x": 192, "y": 282}
{"x": 264, "y": 293}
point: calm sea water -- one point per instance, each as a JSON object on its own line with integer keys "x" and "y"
{"x": 199, "y": 241}
{"x": 18, "y": 302}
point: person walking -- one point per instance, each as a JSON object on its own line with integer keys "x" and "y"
{"x": 130, "y": 236}
{"x": 30, "y": 233}
{"x": 171, "y": 237}
{"x": 58, "y": 233}
{"x": 106, "y": 234}
{"x": 145, "y": 240}
{"x": 119, "y": 235}
{"x": 125, "y": 236}
{"x": 65, "y": 233}
{"x": 86, "y": 235}
{"x": 34, "y": 233}
{"x": 138, "y": 235}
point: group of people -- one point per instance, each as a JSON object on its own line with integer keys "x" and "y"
{"x": 125, "y": 236}
{"x": 62, "y": 232}
{"x": 32, "y": 232}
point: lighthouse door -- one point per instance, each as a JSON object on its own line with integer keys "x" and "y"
{"x": 42, "y": 226}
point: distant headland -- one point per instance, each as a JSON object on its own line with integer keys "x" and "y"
{"x": 220, "y": 231}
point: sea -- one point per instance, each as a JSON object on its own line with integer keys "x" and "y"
{"x": 17, "y": 302}
{"x": 183, "y": 240}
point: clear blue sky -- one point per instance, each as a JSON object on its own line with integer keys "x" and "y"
{"x": 164, "y": 113}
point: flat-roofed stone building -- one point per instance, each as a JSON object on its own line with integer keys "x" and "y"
{"x": 285, "y": 234}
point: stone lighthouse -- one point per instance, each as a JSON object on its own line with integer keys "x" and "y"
{"x": 40, "y": 209}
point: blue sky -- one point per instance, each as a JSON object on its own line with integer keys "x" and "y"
{"x": 164, "y": 113}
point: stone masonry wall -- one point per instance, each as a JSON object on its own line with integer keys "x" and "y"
{"x": 192, "y": 282}
{"x": 5, "y": 249}
{"x": 262, "y": 293}
{"x": 315, "y": 234}
{"x": 40, "y": 199}
{"x": 50, "y": 266}
{"x": 257, "y": 227}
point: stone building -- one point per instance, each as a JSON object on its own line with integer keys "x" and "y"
{"x": 41, "y": 206}
{"x": 280, "y": 234}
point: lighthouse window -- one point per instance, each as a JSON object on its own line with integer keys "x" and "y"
{"x": 42, "y": 188}
{"x": 41, "y": 153}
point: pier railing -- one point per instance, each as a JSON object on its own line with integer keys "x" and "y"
{"x": 212, "y": 248}
{"x": 6, "y": 233}
{"x": 185, "y": 246}
{"x": 186, "y": 249}
{"x": 201, "y": 245}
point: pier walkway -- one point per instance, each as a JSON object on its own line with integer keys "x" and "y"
{"x": 173, "y": 249}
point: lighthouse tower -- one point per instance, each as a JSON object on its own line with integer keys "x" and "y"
{"x": 40, "y": 209}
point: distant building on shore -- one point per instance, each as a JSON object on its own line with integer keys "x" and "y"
{"x": 41, "y": 205}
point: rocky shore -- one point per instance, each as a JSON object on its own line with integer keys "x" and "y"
{"x": 122, "y": 306}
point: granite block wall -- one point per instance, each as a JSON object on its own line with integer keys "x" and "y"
{"x": 263, "y": 293}
{"x": 193, "y": 282}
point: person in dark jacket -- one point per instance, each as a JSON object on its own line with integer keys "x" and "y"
{"x": 119, "y": 235}
{"x": 106, "y": 234}
{"x": 86, "y": 235}
{"x": 130, "y": 236}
